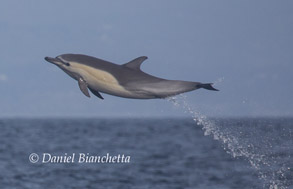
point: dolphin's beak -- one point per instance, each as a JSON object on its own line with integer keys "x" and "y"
{"x": 52, "y": 60}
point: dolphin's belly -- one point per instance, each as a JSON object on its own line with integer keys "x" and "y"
{"x": 105, "y": 82}
{"x": 101, "y": 80}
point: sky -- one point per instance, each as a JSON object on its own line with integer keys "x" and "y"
{"x": 244, "y": 47}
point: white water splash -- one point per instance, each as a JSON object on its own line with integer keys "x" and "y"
{"x": 232, "y": 145}
{"x": 219, "y": 80}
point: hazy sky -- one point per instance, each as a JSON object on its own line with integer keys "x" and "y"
{"x": 244, "y": 46}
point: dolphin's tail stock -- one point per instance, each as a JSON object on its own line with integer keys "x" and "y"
{"x": 207, "y": 86}
{"x": 171, "y": 88}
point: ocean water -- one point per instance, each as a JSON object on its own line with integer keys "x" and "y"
{"x": 194, "y": 152}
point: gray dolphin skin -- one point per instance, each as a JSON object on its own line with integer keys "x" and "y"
{"x": 126, "y": 80}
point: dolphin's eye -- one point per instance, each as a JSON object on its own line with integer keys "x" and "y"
{"x": 65, "y": 63}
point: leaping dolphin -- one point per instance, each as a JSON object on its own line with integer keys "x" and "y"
{"x": 126, "y": 80}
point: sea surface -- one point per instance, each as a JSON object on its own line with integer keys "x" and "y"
{"x": 194, "y": 152}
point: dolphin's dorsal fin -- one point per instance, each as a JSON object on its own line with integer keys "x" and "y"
{"x": 135, "y": 63}
{"x": 83, "y": 87}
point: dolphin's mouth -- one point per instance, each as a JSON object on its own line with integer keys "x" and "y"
{"x": 56, "y": 61}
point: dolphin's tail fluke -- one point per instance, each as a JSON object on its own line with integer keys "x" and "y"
{"x": 207, "y": 86}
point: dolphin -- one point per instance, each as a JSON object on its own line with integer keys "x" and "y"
{"x": 126, "y": 80}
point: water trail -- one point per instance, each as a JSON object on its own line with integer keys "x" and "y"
{"x": 233, "y": 146}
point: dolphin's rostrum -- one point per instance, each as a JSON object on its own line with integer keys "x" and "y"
{"x": 126, "y": 80}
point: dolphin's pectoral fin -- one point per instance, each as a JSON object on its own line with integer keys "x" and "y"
{"x": 96, "y": 93}
{"x": 83, "y": 87}
{"x": 135, "y": 63}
